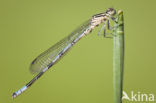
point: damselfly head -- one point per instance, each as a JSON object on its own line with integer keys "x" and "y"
{"x": 111, "y": 11}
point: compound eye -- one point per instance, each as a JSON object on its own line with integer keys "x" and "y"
{"x": 111, "y": 11}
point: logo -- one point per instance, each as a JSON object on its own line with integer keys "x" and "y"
{"x": 138, "y": 96}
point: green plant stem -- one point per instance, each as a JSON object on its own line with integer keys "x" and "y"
{"x": 118, "y": 57}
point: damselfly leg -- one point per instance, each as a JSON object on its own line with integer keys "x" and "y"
{"x": 106, "y": 26}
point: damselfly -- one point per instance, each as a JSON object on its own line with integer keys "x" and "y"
{"x": 48, "y": 58}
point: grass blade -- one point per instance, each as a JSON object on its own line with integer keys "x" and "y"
{"x": 118, "y": 57}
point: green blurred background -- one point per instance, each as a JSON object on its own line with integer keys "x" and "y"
{"x": 84, "y": 75}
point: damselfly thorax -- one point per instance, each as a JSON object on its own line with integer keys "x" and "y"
{"x": 97, "y": 19}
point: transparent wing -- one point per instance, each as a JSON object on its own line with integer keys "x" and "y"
{"x": 45, "y": 58}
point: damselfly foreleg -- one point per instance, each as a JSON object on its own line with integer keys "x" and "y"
{"x": 109, "y": 27}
